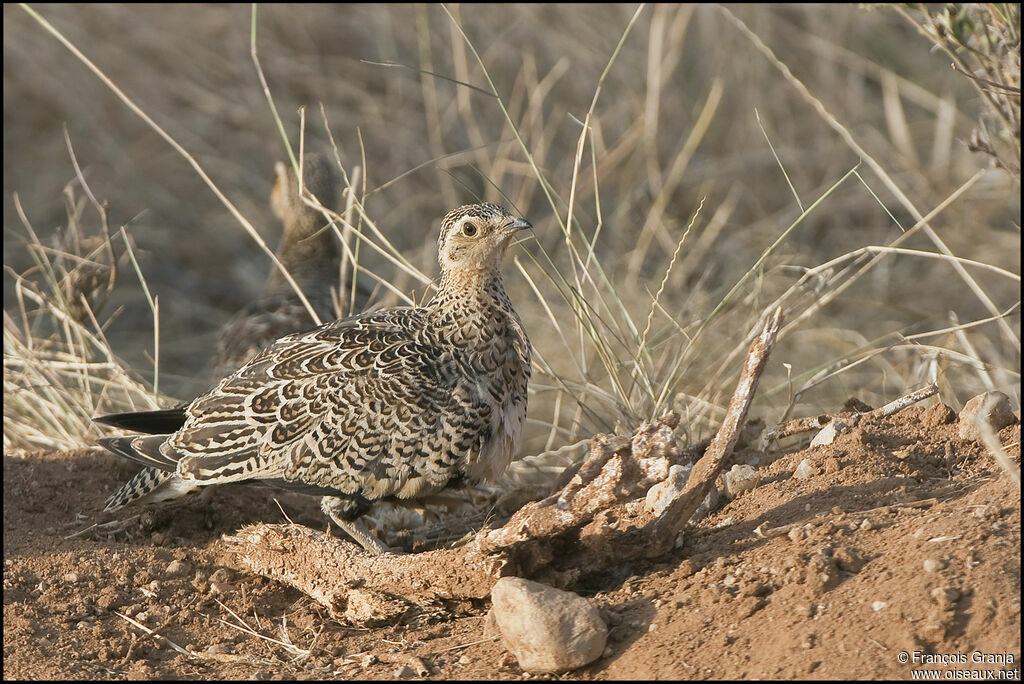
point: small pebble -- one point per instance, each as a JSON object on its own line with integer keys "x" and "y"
{"x": 739, "y": 479}
{"x": 418, "y": 666}
{"x": 878, "y": 605}
{"x": 756, "y": 589}
{"x": 71, "y": 578}
{"x": 866, "y": 524}
{"x": 796, "y": 534}
{"x": 996, "y": 409}
{"x": 660, "y": 495}
{"x": 805, "y": 470}
{"x": 548, "y": 630}
{"x": 804, "y": 609}
{"x": 828, "y": 434}
{"x": 938, "y": 414}
{"x": 222, "y": 575}
{"x": 709, "y": 504}
{"x": 933, "y": 565}
{"x": 175, "y": 567}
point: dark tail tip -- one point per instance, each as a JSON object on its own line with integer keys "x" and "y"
{"x": 122, "y": 446}
{"x": 161, "y": 422}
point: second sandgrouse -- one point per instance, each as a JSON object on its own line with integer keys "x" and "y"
{"x": 311, "y": 252}
{"x": 395, "y": 403}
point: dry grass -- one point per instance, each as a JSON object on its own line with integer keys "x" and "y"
{"x": 983, "y": 40}
{"x": 687, "y": 170}
{"x": 59, "y": 368}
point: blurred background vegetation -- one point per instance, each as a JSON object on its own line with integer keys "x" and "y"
{"x": 717, "y": 161}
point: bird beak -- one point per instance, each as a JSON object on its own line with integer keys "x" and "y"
{"x": 518, "y": 224}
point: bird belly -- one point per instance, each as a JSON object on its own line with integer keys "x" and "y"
{"x": 501, "y": 448}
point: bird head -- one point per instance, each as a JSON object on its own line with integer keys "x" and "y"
{"x": 474, "y": 237}
{"x": 320, "y": 178}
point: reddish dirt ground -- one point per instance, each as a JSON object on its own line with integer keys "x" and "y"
{"x": 906, "y": 540}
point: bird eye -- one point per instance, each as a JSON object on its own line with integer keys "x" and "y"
{"x": 469, "y": 229}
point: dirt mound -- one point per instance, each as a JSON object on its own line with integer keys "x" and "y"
{"x": 901, "y": 539}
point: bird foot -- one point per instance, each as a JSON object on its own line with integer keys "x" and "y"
{"x": 332, "y": 507}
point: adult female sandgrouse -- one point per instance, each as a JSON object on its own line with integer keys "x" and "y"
{"x": 310, "y": 251}
{"x": 399, "y": 402}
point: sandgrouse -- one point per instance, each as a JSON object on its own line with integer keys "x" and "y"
{"x": 395, "y": 403}
{"x": 311, "y": 252}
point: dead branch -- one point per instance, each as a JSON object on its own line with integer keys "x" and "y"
{"x": 595, "y": 520}
{"x": 679, "y": 512}
{"x": 353, "y": 584}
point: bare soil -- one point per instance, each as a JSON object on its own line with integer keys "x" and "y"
{"x": 906, "y": 540}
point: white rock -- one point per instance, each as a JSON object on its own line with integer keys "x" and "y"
{"x": 176, "y": 567}
{"x": 828, "y": 434}
{"x": 709, "y": 504}
{"x": 548, "y": 630}
{"x": 739, "y": 479}
{"x": 663, "y": 493}
{"x": 805, "y": 470}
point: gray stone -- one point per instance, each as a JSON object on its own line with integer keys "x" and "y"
{"x": 805, "y": 470}
{"x": 828, "y": 434}
{"x": 994, "y": 407}
{"x": 663, "y": 493}
{"x": 548, "y": 630}
{"x": 739, "y": 479}
{"x": 709, "y": 504}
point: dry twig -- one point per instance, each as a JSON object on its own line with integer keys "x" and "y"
{"x": 809, "y": 423}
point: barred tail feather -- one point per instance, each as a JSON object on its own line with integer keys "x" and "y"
{"x": 150, "y": 486}
{"x": 144, "y": 450}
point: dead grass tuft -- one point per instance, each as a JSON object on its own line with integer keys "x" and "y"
{"x": 688, "y": 169}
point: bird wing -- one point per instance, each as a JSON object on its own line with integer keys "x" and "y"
{"x": 368, "y": 405}
{"x": 270, "y": 317}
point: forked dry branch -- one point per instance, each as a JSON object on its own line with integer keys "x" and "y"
{"x": 595, "y": 520}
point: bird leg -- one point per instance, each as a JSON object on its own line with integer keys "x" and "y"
{"x": 333, "y": 507}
